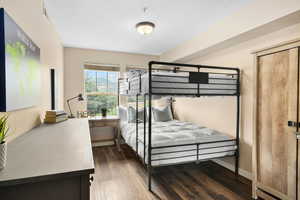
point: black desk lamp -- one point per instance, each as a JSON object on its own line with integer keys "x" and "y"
{"x": 79, "y": 98}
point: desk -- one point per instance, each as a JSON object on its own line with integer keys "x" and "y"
{"x": 109, "y": 121}
{"x": 50, "y": 162}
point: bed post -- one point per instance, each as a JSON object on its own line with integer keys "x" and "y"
{"x": 137, "y": 126}
{"x": 237, "y": 156}
{"x": 118, "y": 92}
{"x": 145, "y": 125}
{"x": 149, "y": 128}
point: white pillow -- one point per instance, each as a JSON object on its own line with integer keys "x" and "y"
{"x": 162, "y": 115}
{"x": 132, "y": 115}
{"x": 123, "y": 114}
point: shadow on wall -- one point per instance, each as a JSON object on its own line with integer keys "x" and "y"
{"x": 218, "y": 113}
{"x": 19, "y": 122}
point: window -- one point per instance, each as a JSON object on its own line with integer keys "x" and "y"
{"x": 131, "y": 100}
{"x": 101, "y": 88}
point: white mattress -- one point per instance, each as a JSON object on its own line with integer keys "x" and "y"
{"x": 178, "y": 133}
{"x": 178, "y": 83}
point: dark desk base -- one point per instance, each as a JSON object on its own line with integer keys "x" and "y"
{"x": 71, "y": 188}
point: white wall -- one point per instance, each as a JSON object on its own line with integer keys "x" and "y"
{"x": 219, "y": 112}
{"x": 253, "y": 15}
{"x": 75, "y": 59}
{"x": 259, "y": 24}
{"x": 28, "y": 15}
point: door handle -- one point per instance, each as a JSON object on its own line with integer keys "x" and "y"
{"x": 293, "y": 124}
{"x": 297, "y": 135}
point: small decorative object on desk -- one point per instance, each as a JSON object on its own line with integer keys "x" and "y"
{"x": 82, "y": 114}
{"x": 3, "y": 146}
{"x": 55, "y": 116}
{"x": 86, "y": 114}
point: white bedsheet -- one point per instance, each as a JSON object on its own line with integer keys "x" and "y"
{"x": 178, "y": 133}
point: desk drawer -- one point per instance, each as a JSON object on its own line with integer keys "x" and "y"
{"x": 69, "y": 188}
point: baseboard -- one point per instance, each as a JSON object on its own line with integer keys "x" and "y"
{"x": 229, "y": 166}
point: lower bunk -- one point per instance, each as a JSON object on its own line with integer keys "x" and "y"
{"x": 177, "y": 142}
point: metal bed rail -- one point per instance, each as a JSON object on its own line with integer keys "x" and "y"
{"x": 210, "y": 84}
{"x": 195, "y": 148}
{"x": 136, "y": 90}
{"x": 198, "y": 69}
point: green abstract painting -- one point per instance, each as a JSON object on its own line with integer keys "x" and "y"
{"x": 22, "y": 68}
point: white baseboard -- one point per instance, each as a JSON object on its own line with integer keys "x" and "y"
{"x": 229, "y": 166}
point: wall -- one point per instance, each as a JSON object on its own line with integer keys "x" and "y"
{"x": 253, "y": 15}
{"x": 76, "y": 58}
{"x": 28, "y": 15}
{"x": 219, "y": 112}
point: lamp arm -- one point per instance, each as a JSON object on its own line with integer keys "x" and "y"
{"x": 68, "y": 102}
{"x": 72, "y": 98}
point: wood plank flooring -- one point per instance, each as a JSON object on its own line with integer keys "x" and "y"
{"x": 119, "y": 176}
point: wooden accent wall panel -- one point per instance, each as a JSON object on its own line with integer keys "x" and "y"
{"x": 298, "y": 141}
{"x": 277, "y": 91}
{"x": 264, "y": 196}
{"x": 298, "y": 169}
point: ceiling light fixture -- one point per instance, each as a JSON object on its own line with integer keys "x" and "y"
{"x": 145, "y": 27}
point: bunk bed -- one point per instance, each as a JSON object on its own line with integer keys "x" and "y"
{"x": 175, "y": 142}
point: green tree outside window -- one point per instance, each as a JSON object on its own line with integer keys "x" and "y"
{"x": 101, "y": 89}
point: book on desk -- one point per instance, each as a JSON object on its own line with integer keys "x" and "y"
{"x": 54, "y": 116}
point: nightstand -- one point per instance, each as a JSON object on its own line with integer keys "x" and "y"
{"x": 96, "y": 123}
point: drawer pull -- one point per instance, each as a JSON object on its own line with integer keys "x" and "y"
{"x": 91, "y": 178}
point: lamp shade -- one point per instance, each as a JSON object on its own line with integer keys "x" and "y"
{"x": 80, "y": 97}
{"x": 145, "y": 27}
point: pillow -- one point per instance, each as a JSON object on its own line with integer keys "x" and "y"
{"x": 123, "y": 114}
{"x": 162, "y": 115}
{"x": 132, "y": 115}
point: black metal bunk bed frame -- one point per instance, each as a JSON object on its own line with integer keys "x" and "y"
{"x": 177, "y": 68}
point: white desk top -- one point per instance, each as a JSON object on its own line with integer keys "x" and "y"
{"x": 99, "y": 118}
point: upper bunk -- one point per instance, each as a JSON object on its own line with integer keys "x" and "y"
{"x": 176, "y": 79}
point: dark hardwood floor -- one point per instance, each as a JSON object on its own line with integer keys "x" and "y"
{"x": 119, "y": 176}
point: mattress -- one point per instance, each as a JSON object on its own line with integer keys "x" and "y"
{"x": 167, "y": 134}
{"x": 178, "y": 83}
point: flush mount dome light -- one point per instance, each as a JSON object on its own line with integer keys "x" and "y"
{"x": 145, "y": 28}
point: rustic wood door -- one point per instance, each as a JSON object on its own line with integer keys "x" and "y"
{"x": 277, "y": 103}
{"x": 298, "y": 130}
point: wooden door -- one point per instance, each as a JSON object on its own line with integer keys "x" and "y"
{"x": 298, "y": 141}
{"x": 277, "y": 103}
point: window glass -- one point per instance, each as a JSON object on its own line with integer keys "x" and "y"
{"x": 101, "y": 89}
